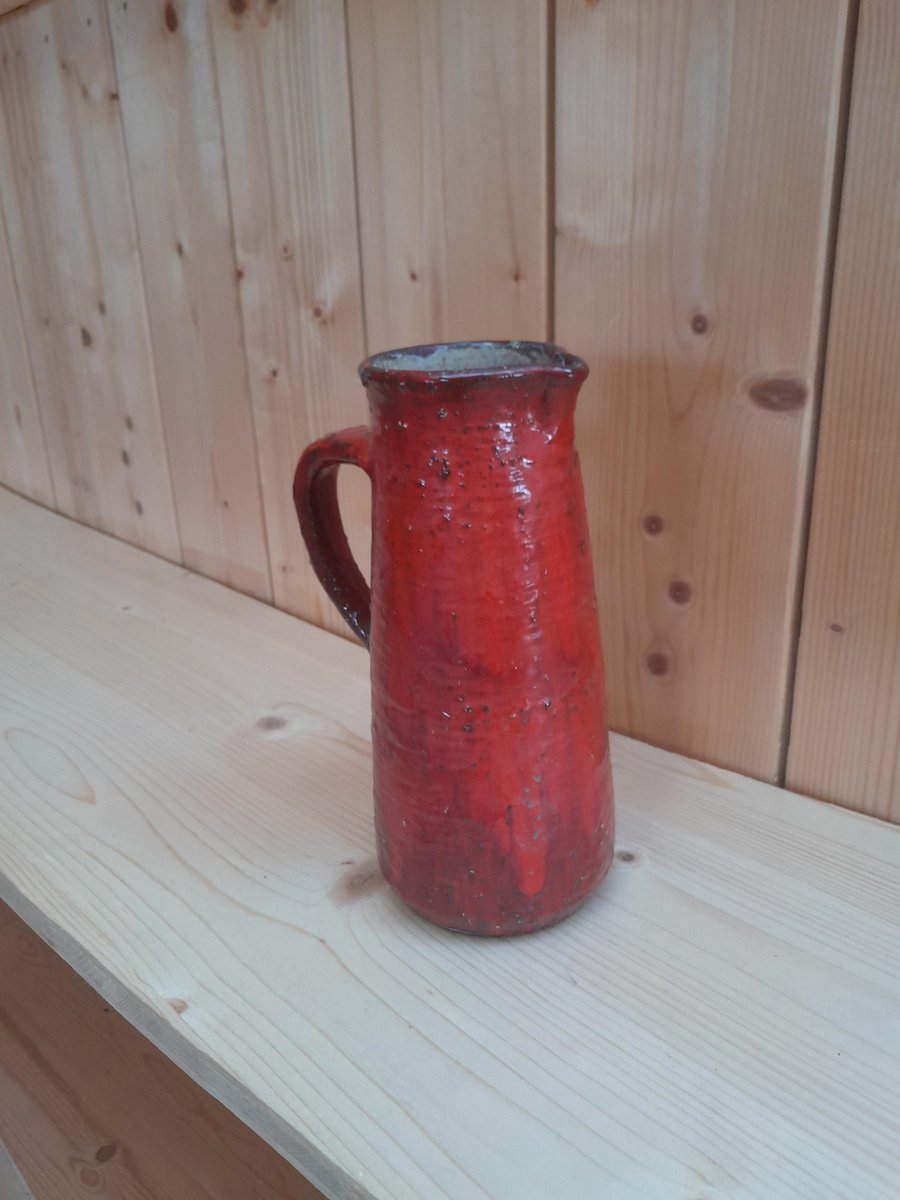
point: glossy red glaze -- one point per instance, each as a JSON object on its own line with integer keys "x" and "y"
{"x": 493, "y": 798}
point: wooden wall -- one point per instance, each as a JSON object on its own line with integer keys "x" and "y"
{"x": 213, "y": 209}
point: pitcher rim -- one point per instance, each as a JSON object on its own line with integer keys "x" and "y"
{"x": 546, "y": 358}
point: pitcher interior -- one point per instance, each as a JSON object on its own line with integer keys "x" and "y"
{"x": 475, "y": 358}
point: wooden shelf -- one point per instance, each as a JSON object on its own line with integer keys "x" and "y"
{"x": 186, "y": 817}
{"x": 88, "y": 1106}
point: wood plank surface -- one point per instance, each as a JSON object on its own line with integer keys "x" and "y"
{"x": 695, "y": 160}
{"x": 450, "y": 112}
{"x": 88, "y": 1106}
{"x": 186, "y": 814}
{"x": 23, "y": 454}
{"x": 845, "y": 735}
{"x": 170, "y": 113}
{"x": 9, "y": 6}
{"x": 66, "y": 198}
{"x": 285, "y": 98}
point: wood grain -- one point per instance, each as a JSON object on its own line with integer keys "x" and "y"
{"x": 695, "y": 156}
{"x": 66, "y": 198}
{"x": 450, "y": 113}
{"x": 285, "y": 100}
{"x": 173, "y": 135}
{"x": 23, "y": 454}
{"x": 692, "y": 148}
{"x": 9, "y": 6}
{"x": 89, "y": 1106}
{"x": 185, "y": 798}
{"x": 845, "y": 735}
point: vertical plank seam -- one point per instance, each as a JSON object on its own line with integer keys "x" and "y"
{"x": 550, "y": 171}
{"x": 356, "y": 201}
{"x": 214, "y": 58}
{"x": 103, "y": 6}
{"x": 26, "y": 347}
{"x": 842, "y": 125}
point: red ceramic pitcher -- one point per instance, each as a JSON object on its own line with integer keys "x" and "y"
{"x": 493, "y": 798}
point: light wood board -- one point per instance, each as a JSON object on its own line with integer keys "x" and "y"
{"x": 23, "y": 454}
{"x": 66, "y": 197}
{"x": 9, "y": 6}
{"x": 170, "y": 113}
{"x": 845, "y": 735}
{"x": 212, "y": 210}
{"x": 450, "y": 113}
{"x": 186, "y": 814}
{"x": 88, "y": 1106}
{"x": 695, "y": 152}
{"x": 285, "y": 101}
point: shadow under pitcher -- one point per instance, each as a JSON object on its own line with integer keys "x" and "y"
{"x": 493, "y": 795}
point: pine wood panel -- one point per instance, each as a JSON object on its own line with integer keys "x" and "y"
{"x": 88, "y": 1106}
{"x": 8, "y": 6}
{"x": 845, "y": 735}
{"x": 185, "y": 794}
{"x": 23, "y": 455}
{"x": 173, "y": 136}
{"x": 695, "y": 156}
{"x": 450, "y": 111}
{"x": 285, "y": 101}
{"x": 66, "y": 196}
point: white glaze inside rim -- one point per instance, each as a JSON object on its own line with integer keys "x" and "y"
{"x": 462, "y": 358}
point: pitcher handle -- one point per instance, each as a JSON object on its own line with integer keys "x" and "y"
{"x": 316, "y": 501}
